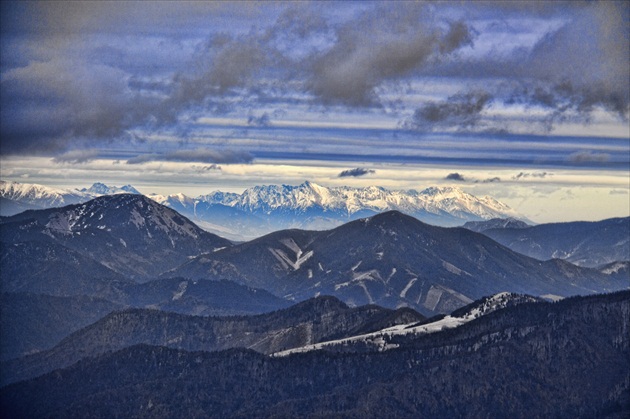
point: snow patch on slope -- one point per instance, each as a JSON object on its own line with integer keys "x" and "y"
{"x": 380, "y": 340}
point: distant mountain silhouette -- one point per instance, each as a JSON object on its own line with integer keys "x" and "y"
{"x": 481, "y": 226}
{"x": 583, "y": 243}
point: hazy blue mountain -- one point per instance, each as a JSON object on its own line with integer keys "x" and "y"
{"x": 226, "y": 221}
{"x": 582, "y": 243}
{"x": 481, "y": 226}
{"x": 129, "y": 234}
{"x": 48, "y": 267}
{"x": 32, "y": 323}
{"x": 201, "y": 298}
{"x": 392, "y": 260}
{"x": 569, "y": 359}
{"x": 309, "y": 322}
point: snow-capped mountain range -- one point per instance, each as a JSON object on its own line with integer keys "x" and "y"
{"x": 263, "y": 209}
{"x": 16, "y": 197}
{"x": 348, "y": 201}
{"x": 99, "y": 189}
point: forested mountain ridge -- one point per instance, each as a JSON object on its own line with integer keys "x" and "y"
{"x": 569, "y": 359}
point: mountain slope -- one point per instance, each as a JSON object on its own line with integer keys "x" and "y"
{"x": 582, "y": 243}
{"x": 381, "y": 340}
{"x": 392, "y": 260}
{"x": 47, "y": 267}
{"x": 200, "y": 298}
{"x": 308, "y": 322}
{"x": 511, "y": 363}
{"x": 130, "y": 234}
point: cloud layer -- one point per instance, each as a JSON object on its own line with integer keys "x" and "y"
{"x": 78, "y": 75}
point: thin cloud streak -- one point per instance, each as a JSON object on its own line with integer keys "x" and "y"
{"x": 197, "y": 156}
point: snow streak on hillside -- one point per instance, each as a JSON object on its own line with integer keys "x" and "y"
{"x": 380, "y": 340}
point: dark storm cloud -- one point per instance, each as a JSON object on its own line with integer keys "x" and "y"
{"x": 200, "y": 155}
{"x": 87, "y": 94}
{"x": 588, "y": 59}
{"x": 455, "y": 176}
{"x": 71, "y": 85}
{"x": 46, "y": 105}
{"x": 359, "y": 171}
{"x": 458, "y": 111}
{"x": 383, "y": 44}
{"x": 571, "y": 72}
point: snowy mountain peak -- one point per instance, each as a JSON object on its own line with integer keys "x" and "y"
{"x": 130, "y": 189}
{"x": 379, "y": 340}
{"x": 17, "y": 191}
{"x": 122, "y": 211}
{"x": 17, "y": 197}
{"x": 99, "y": 188}
{"x": 493, "y": 303}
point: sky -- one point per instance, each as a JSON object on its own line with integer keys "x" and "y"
{"x": 525, "y": 101}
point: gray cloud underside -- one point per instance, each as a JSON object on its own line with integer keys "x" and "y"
{"x": 455, "y": 176}
{"x": 56, "y": 90}
{"x": 570, "y": 72}
{"x": 78, "y": 156}
{"x": 359, "y": 171}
